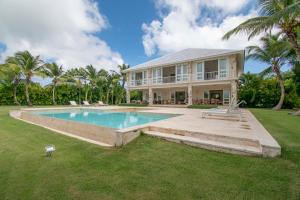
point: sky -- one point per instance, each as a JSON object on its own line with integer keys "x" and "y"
{"x": 106, "y": 33}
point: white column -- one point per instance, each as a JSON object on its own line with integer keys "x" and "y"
{"x": 150, "y": 96}
{"x": 127, "y": 96}
{"x": 233, "y": 91}
{"x": 190, "y": 95}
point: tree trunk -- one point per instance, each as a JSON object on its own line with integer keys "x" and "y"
{"x": 53, "y": 95}
{"x": 86, "y": 94}
{"x": 292, "y": 36}
{"x": 281, "y": 84}
{"x": 15, "y": 95}
{"x": 27, "y": 92}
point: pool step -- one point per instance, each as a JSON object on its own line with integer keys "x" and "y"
{"x": 208, "y": 144}
{"x": 229, "y": 139}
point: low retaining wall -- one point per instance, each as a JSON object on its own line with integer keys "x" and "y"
{"x": 97, "y": 133}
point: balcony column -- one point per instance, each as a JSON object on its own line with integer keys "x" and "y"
{"x": 190, "y": 95}
{"x": 150, "y": 96}
{"x": 234, "y": 91}
{"x": 127, "y": 95}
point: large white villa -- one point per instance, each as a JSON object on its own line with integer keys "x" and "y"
{"x": 190, "y": 76}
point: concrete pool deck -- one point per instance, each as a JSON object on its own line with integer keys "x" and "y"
{"x": 246, "y": 137}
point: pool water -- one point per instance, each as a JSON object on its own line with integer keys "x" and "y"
{"x": 117, "y": 120}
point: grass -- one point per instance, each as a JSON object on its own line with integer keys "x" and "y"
{"x": 147, "y": 168}
{"x": 204, "y": 106}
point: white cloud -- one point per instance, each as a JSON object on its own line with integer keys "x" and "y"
{"x": 179, "y": 27}
{"x": 59, "y": 30}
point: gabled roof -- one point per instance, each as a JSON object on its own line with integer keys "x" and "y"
{"x": 185, "y": 55}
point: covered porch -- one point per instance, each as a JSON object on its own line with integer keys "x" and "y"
{"x": 219, "y": 94}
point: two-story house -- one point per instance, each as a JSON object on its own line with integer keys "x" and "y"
{"x": 190, "y": 76}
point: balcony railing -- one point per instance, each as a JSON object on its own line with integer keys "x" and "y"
{"x": 139, "y": 82}
{"x": 182, "y": 78}
{"x": 211, "y": 75}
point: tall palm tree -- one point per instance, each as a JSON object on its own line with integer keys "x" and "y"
{"x": 122, "y": 68}
{"x": 75, "y": 77}
{"x": 274, "y": 52}
{"x": 102, "y": 81}
{"x": 30, "y": 65}
{"x": 55, "y": 72}
{"x": 92, "y": 76}
{"x": 11, "y": 74}
{"x": 281, "y": 14}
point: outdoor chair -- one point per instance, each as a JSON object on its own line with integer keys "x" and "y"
{"x": 86, "y": 103}
{"x": 100, "y": 103}
{"x": 73, "y": 103}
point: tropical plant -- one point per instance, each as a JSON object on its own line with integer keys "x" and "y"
{"x": 249, "y": 86}
{"x": 102, "y": 82}
{"x": 30, "y": 65}
{"x": 55, "y": 72}
{"x": 11, "y": 74}
{"x": 274, "y": 52}
{"x": 284, "y": 15}
{"x": 75, "y": 76}
{"x": 122, "y": 68}
{"x": 281, "y": 14}
{"x": 92, "y": 76}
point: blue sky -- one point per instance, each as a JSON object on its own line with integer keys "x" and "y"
{"x": 125, "y": 32}
{"x": 109, "y": 32}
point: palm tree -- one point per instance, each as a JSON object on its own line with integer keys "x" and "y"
{"x": 75, "y": 77}
{"x": 281, "y": 14}
{"x": 122, "y": 68}
{"x": 274, "y": 52}
{"x": 11, "y": 74}
{"x": 55, "y": 72}
{"x": 92, "y": 76}
{"x": 102, "y": 81}
{"x": 30, "y": 65}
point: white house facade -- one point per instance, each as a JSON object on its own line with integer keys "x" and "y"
{"x": 190, "y": 76}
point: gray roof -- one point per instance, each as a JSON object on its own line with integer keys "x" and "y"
{"x": 185, "y": 56}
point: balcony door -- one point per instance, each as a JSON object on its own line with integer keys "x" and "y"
{"x": 223, "y": 68}
{"x": 199, "y": 69}
{"x": 181, "y": 72}
{"x": 157, "y": 75}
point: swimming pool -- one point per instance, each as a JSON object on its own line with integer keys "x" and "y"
{"x": 116, "y": 120}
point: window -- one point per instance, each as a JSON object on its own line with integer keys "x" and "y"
{"x": 144, "y": 77}
{"x": 226, "y": 97}
{"x": 182, "y": 72}
{"x": 223, "y": 68}
{"x": 132, "y": 78}
{"x": 156, "y": 75}
{"x": 206, "y": 95}
{"x": 199, "y": 71}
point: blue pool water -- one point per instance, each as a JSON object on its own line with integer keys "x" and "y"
{"x": 118, "y": 120}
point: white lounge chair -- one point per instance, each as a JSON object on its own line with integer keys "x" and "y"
{"x": 232, "y": 111}
{"x": 100, "y": 103}
{"x": 86, "y": 103}
{"x": 73, "y": 103}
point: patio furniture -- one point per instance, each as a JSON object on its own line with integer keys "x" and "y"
{"x": 86, "y": 103}
{"x": 100, "y": 103}
{"x": 232, "y": 111}
{"x": 73, "y": 103}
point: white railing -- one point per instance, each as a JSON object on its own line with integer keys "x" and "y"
{"x": 139, "y": 82}
{"x": 211, "y": 75}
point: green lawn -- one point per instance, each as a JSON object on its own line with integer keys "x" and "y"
{"x": 204, "y": 106}
{"x": 147, "y": 168}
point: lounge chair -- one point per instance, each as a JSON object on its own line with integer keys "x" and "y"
{"x": 73, "y": 103}
{"x": 232, "y": 111}
{"x": 86, "y": 103}
{"x": 100, "y": 103}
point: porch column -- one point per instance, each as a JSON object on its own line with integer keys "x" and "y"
{"x": 234, "y": 91}
{"x": 190, "y": 95}
{"x": 127, "y": 96}
{"x": 150, "y": 96}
